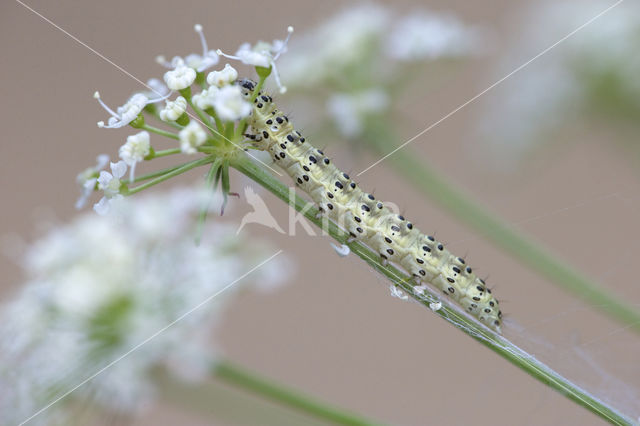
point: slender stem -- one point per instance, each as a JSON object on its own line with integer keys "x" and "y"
{"x": 164, "y": 153}
{"x": 493, "y": 341}
{"x": 211, "y": 182}
{"x": 159, "y": 131}
{"x": 153, "y": 174}
{"x": 292, "y": 398}
{"x": 416, "y": 169}
{"x": 171, "y": 173}
{"x": 258, "y": 88}
{"x": 212, "y": 112}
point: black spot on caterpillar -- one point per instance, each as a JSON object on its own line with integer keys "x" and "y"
{"x": 391, "y": 236}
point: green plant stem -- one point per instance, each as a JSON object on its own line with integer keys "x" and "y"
{"x": 416, "y": 170}
{"x": 496, "y": 343}
{"x": 249, "y": 381}
{"x": 159, "y": 131}
{"x": 165, "y": 152}
{"x": 175, "y": 171}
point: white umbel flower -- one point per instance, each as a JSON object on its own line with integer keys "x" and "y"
{"x": 230, "y": 105}
{"x": 110, "y": 183}
{"x": 100, "y": 286}
{"x": 173, "y": 109}
{"x": 198, "y": 62}
{"x": 88, "y": 179}
{"x": 429, "y": 36}
{"x": 224, "y": 77}
{"x": 206, "y": 98}
{"x": 343, "y": 41}
{"x": 180, "y": 77}
{"x": 135, "y": 150}
{"x": 191, "y": 137}
{"x": 263, "y": 54}
{"x": 126, "y": 113}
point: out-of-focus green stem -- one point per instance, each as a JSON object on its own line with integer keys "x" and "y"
{"x": 495, "y": 342}
{"x": 292, "y": 398}
{"x": 417, "y": 170}
{"x": 198, "y": 395}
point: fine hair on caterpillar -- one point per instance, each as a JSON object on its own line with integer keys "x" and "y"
{"x": 364, "y": 217}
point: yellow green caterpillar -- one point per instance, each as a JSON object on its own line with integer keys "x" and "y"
{"x": 366, "y": 219}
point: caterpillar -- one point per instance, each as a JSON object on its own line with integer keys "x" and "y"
{"x": 366, "y": 219}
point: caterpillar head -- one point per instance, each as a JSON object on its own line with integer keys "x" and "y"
{"x": 247, "y": 86}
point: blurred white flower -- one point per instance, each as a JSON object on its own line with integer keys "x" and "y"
{"x": 427, "y": 36}
{"x": 99, "y": 286}
{"x": 342, "y": 41}
{"x": 126, "y": 113}
{"x": 173, "y": 109}
{"x": 88, "y": 179}
{"x": 206, "y": 98}
{"x": 200, "y": 63}
{"x": 224, "y": 77}
{"x": 191, "y": 137}
{"x": 134, "y": 150}
{"x": 230, "y": 104}
{"x": 349, "y": 111}
{"x": 110, "y": 184}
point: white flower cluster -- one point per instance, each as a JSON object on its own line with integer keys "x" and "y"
{"x": 368, "y": 35}
{"x": 223, "y": 96}
{"x": 226, "y": 100}
{"x": 136, "y": 148}
{"x": 173, "y": 110}
{"x": 99, "y": 286}
{"x": 221, "y": 99}
{"x": 109, "y": 184}
{"x": 368, "y": 43}
{"x": 428, "y": 36}
{"x": 344, "y": 40}
{"x": 191, "y": 137}
{"x": 134, "y": 151}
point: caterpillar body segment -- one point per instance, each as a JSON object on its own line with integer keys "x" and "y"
{"x": 365, "y": 218}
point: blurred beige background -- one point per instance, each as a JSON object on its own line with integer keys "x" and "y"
{"x": 334, "y": 332}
